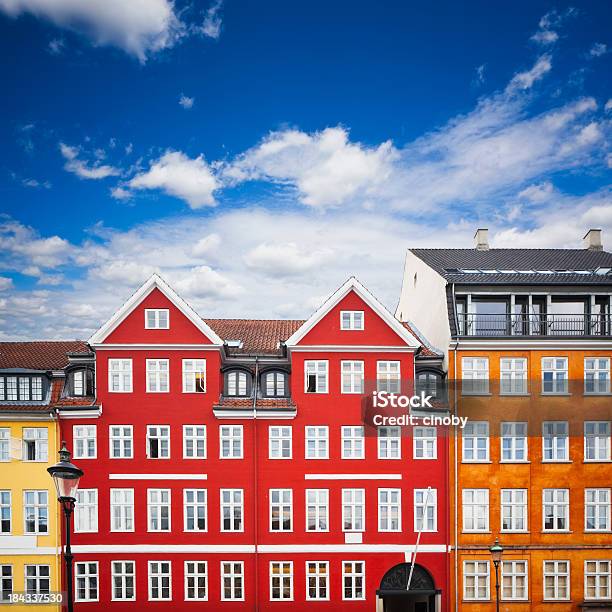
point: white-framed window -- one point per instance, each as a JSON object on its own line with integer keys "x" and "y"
{"x": 317, "y": 509}
{"x": 597, "y": 509}
{"x": 596, "y": 375}
{"x": 158, "y": 441}
{"x": 513, "y": 441}
{"x": 316, "y": 442}
{"x": 84, "y": 439}
{"x": 425, "y": 510}
{"x": 237, "y": 383}
{"x": 22, "y": 388}
{"x": 353, "y": 580}
{"x": 5, "y": 512}
{"x": 86, "y": 511}
{"x": 158, "y": 379}
{"x": 281, "y": 509}
{"x": 316, "y": 376}
{"x": 388, "y": 377}
{"x": 475, "y": 442}
{"x": 195, "y": 509}
{"x": 317, "y": 580}
{"x": 353, "y": 441}
{"x": 389, "y": 509}
{"x": 554, "y": 375}
{"x": 157, "y": 318}
{"x": 121, "y": 441}
{"x": 351, "y": 320}
{"x": 353, "y": 509}
{"x": 232, "y": 509}
{"x": 389, "y": 443}
{"x": 476, "y": 581}
{"x": 513, "y": 375}
{"x": 424, "y": 443}
{"x": 194, "y": 441}
{"x": 6, "y": 582}
{"x": 78, "y": 383}
{"x": 555, "y": 503}
{"x": 160, "y": 581}
{"x": 86, "y": 581}
{"x": 281, "y": 580}
{"x": 475, "y": 510}
{"x": 35, "y": 444}
{"x": 122, "y": 509}
{"x": 513, "y": 509}
{"x": 120, "y": 375}
{"x": 555, "y": 441}
{"x": 36, "y": 512}
{"x": 475, "y": 375}
{"x": 230, "y": 442}
{"x": 37, "y": 579}
{"x": 514, "y": 580}
{"x": 123, "y": 576}
{"x": 597, "y": 440}
{"x": 556, "y": 581}
{"x": 279, "y": 442}
{"x": 274, "y": 384}
{"x": 196, "y": 581}
{"x": 232, "y": 580}
{"x": 158, "y": 509}
{"x": 194, "y": 375}
{"x": 597, "y": 576}
{"x": 5, "y": 444}
{"x": 352, "y": 376}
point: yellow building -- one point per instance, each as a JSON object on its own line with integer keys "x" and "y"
{"x": 32, "y": 381}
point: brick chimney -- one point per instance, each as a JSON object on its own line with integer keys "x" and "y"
{"x": 592, "y": 240}
{"x": 481, "y": 239}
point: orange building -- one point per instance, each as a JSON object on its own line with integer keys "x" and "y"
{"x": 528, "y": 342}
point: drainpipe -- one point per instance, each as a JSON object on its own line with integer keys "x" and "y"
{"x": 255, "y": 495}
{"x": 456, "y": 454}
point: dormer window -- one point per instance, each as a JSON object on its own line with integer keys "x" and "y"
{"x": 157, "y": 318}
{"x": 351, "y": 320}
{"x": 237, "y": 383}
{"x": 80, "y": 383}
{"x": 275, "y": 384}
{"x": 21, "y": 388}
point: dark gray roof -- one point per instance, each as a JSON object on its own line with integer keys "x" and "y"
{"x": 520, "y": 266}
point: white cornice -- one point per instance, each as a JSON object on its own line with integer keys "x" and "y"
{"x": 156, "y": 347}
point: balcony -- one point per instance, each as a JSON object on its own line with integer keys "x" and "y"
{"x": 556, "y": 325}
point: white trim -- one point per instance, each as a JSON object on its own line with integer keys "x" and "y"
{"x": 352, "y": 284}
{"x": 249, "y": 413}
{"x": 88, "y": 413}
{"x": 35, "y": 550}
{"x": 541, "y": 344}
{"x": 156, "y": 347}
{"x": 355, "y": 348}
{"x": 158, "y": 476}
{"x": 156, "y": 310}
{"x": 154, "y": 281}
{"x": 352, "y": 477}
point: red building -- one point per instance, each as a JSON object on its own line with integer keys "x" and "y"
{"x": 227, "y": 464}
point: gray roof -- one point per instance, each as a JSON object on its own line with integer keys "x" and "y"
{"x": 520, "y": 266}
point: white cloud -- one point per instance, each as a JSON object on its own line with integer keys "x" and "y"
{"x": 545, "y": 37}
{"x": 526, "y": 79}
{"x": 36, "y": 184}
{"x": 119, "y": 193}
{"x": 207, "y": 245}
{"x": 5, "y": 283}
{"x": 541, "y": 192}
{"x": 286, "y": 258}
{"x": 598, "y": 49}
{"x": 139, "y": 27}
{"x": 549, "y": 24}
{"x": 186, "y": 102}
{"x": 608, "y": 106}
{"x": 480, "y": 71}
{"x": 76, "y": 166}
{"x": 211, "y": 26}
{"x": 204, "y": 282}
{"x": 56, "y": 46}
{"x": 177, "y": 175}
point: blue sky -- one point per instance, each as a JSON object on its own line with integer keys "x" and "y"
{"x": 257, "y": 154}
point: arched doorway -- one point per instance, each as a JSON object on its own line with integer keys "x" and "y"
{"x": 394, "y": 596}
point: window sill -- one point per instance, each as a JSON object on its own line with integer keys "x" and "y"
{"x": 512, "y": 462}
{"x": 517, "y": 531}
{"x": 554, "y": 531}
{"x": 515, "y": 394}
{"x": 587, "y": 394}
{"x": 467, "y": 532}
{"x": 555, "y": 394}
{"x": 587, "y": 461}
{"x": 596, "y": 531}
{"x": 476, "y": 462}
{"x": 484, "y": 394}
{"x": 557, "y": 461}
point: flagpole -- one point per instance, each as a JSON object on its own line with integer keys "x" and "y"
{"x": 416, "y": 548}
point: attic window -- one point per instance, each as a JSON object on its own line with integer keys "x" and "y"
{"x": 351, "y": 319}
{"x": 157, "y": 318}
{"x": 21, "y": 388}
{"x": 234, "y": 343}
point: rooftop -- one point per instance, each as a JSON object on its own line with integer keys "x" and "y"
{"x": 39, "y": 355}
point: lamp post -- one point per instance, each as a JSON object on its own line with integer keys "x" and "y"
{"x": 496, "y": 551}
{"x": 66, "y": 477}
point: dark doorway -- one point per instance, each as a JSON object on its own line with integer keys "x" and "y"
{"x": 396, "y": 597}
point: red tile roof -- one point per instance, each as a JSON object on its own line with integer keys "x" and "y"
{"x": 56, "y": 389}
{"x": 39, "y": 355}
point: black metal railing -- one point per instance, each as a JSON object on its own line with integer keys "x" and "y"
{"x": 534, "y": 325}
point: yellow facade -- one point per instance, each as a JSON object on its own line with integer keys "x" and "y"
{"x": 19, "y": 549}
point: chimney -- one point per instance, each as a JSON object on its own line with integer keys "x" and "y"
{"x": 592, "y": 240}
{"x": 481, "y": 239}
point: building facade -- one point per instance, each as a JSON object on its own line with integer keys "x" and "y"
{"x": 227, "y": 463}
{"x": 529, "y": 345}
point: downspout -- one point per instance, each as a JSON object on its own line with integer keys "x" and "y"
{"x": 59, "y": 574}
{"x": 456, "y": 458}
{"x": 255, "y": 496}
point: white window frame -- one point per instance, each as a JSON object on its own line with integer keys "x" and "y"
{"x": 237, "y": 383}
{"x": 6, "y": 578}
{"x": 478, "y": 574}
{"x": 602, "y": 575}
{"x": 228, "y": 436}
{"x": 196, "y": 503}
{"x": 319, "y": 368}
{"x": 40, "y": 437}
{"x": 552, "y": 568}
{"x": 513, "y": 376}
{"x": 515, "y": 501}
{"x": 6, "y": 509}
{"x": 352, "y": 376}
{"x": 515, "y": 569}
{"x": 123, "y": 574}
{"x": 194, "y": 369}
{"x": 159, "y": 575}
{"x": 320, "y": 509}
{"x": 597, "y": 375}
{"x": 353, "y": 510}
{"x": 192, "y": 434}
{"x": 475, "y": 509}
{"x": 475, "y": 379}
{"x": 390, "y": 444}
{"x": 5, "y": 444}
{"x": 78, "y": 383}
{"x": 388, "y": 376}
{"x": 122, "y": 438}
{"x": 389, "y": 510}
{"x": 126, "y": 510}
{"x": 157, "y": 319}
{"x": 37, "y": 577}
{"x": 160, "y": 433}
{"x": 155, "y": 510}
{"x": 555, "y": 439}
{"x": 599, "y": 500}
{"x": 515, "y": 431}
{"x": 320, "y": 575}
{"x": 86, "y": 511}
{"x": 158, "y": 376}
{"x": 195, "y": 575}
{"x": 281, "y": 505}
{"x": 353, "y": 575}
{"x": 232, "y": 576}
{"x": 353, "y": 441}
{"x": 39, "y": 507}
{"x": 123, "y": 372}
{"x": 556, "y": 505}
{"x": 600, "y": 441}
{"x": 280, "y": 442}
{"x": 89, "y": 577}
{"x": 479, "y": 432}
{"x": 281, "y": 576}
{"x": 421, "y": 510}
{"x": 352, "y": 320}
{"x": 558, "y": 367}
{"x": 231, "y": 505}
{"x": 82, "y": 436}
{"x": 321, "y": 442}
{"x": 425, "y": 443}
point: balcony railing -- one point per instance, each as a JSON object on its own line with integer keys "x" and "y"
{"x": 534, "y": 325}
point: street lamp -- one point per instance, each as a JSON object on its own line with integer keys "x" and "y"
{"x": 497, "y": 550}
{"x": 66, "y": 477}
